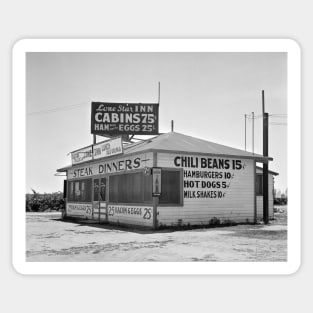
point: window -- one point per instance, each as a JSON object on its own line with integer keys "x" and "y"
{"x": 99, "y": 189}
{"x": 79, "y": 190}
{"x": 70, "y": 190}
{"x": 130, "y": 188}
{"x": 76, "y": 191}
{"x": 171, "y": 189}
{"x": 103, "y": 188}
{"x": 259, "y": 185}
{"x": 96, "y": 190}
{"x": 85, "y": 187}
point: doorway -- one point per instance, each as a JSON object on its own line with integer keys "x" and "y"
{"x": 99, "y": 199}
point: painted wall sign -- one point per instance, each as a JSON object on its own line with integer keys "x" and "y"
{"x": 82, "y": 155}
{"x": 207, "y": 177}
{"x": 79, "y": 209}
{"x": 213, "y": 187}
{"x": 124, "y": 118}
{"x": 108, "y": 148}
{"x": 156, "y": 182}
{"x": 138, "y": 212}
{"x": 112, "y": 166}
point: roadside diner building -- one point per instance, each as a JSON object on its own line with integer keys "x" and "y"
{"x": 169, "y": 180}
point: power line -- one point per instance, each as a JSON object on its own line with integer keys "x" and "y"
{"x": 278, "y": 124}
{"x": 270, "y": 115}
{"x": 278, "y": 116}
{"x": 63, "y": 108}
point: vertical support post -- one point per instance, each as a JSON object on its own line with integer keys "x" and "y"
{"x": 254, "y": 195}
{"x": 94, "y": 139}
{"x": 155, "y": 199}
{"x": 65, "y": 187}
{"x": 107, "y": 186}
{"x": 99, "y": 200}
{"x": 245, "y": 132}
{"x": 172, "y": 125}
{"x": 265, "y": 164}
{"x": 99, "y": 203}
{"x": 265, "y": 168}
{"x": 253, "y": 132}
{"x": 263, "y": 103}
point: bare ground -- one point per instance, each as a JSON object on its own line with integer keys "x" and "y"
{"x": 48, "y": 238}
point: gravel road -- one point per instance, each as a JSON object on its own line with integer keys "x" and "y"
{"x": 50, "y": 239}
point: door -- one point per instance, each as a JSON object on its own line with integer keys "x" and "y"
{"x": 99, "y": 199}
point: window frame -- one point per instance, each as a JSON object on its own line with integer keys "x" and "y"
{"x": 105, "y": 188}
{"x": 259, "y": 193}
{"x": 79, "y": 181}
{"x": 149, "y": 202}
{"x": 181, "y": 195}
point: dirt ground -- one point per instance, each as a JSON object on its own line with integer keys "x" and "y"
{"x": 50, "y": 239}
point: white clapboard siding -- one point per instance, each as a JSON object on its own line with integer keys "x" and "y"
{"x": 102, "y": 217}
{"x": 259, "y": 199}
{"x": 236, "y": 206}
{"x": 102, "y": 214}
{"x": 103, "y": 211}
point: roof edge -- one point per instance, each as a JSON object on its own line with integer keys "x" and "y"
{"x": 258, "y": 158}
{"x": 271, "y": 172}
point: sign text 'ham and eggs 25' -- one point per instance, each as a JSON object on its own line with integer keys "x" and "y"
{"x": 124, "y": 118}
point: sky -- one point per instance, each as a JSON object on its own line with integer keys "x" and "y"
{"x": 206, "y": 94}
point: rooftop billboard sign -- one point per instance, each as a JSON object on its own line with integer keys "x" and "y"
{"x": 115, "y": 119}
{"x": 100, "y": 150}
{"x": 82, "y": 155}
{"x": 108, "y": 148}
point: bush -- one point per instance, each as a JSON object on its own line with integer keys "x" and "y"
{"x": 46, "y": 202}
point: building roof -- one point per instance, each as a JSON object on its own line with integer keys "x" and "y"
{"x": 260, "y": 169}
{"x": 180, "y": 143}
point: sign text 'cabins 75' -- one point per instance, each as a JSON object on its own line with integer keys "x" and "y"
{"x": 124, "y": 118}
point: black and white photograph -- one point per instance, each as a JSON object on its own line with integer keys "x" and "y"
{"x": 156, "y": 156}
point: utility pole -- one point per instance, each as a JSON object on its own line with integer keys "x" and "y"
{"x": 265, "y": 164}
{"x": 172, "y": 125}
{"x": 253, "y": 132}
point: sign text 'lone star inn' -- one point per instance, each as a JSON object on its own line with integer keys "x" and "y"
{"x": 124, "y": 118}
